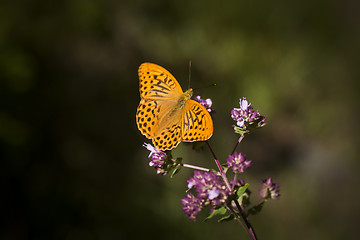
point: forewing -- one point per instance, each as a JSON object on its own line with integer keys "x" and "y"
{"x": 157, "y": 83}
{"x": 196, "y": 124}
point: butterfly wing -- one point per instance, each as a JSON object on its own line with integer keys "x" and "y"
{"x": 159, "y": 92}
{"x": 196, "y": 122}
{"x": 157, "y": 83}
{"x": 170, "y": 136}
{"x": 147, "y": 117}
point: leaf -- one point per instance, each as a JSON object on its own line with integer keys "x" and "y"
{"x": 175, "y": 171}
{"x": 245, "y": 199}
{"x": 224, "y": 167}
{"x": 227, "y": 218}
{"x": 218, "y": 211}
{"x": 256, "y": 209}
{"x": 178, "y": 164}
{"x": 242, "y": 190}
{"x": 240, "y": 130}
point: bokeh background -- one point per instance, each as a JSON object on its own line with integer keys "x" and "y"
{"x": 72, "y": 164}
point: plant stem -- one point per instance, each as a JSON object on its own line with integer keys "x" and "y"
{"x": 237, "y": 143}
{"x": 234, "y": 182}
{"x": 222, "y": 173}
{"x": 250, "y": 228}
{"x": 240, "y": 208}
{"x": 195, "y": 167}
{"x": 237, "y": 217}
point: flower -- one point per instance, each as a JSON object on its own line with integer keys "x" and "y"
{"x": 269, "y": 190}
{"x": 158, "y": 158}
{"x": 206, "y": 103}
{"x": 191, "y": 206}
{"x": 238, "y": 163}
{"x": 207, "y": 184}
{"x": 153, "y": 150}
{"x": 246, "y": 116}
{"x": 210, "y": 191}
{"x": 214, "y": 193}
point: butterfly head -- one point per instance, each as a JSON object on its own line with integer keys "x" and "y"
{"x": 188, "y": 94}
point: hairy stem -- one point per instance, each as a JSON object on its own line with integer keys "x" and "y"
{"x": 237, "y": 217}
{"x": 250, "y": 229}
{"x": 222, "y": 173}
{"x": 195, "y": 167}
{"x": 242, "y": 213}
{"x": 234, "y": 182}
{"x": 237, "y": 143}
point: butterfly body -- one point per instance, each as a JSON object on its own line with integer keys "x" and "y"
{"x": 184, "y": 98}
{"x": 166, "y": 114}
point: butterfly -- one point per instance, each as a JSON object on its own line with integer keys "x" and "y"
{"x": 166, "y": 114}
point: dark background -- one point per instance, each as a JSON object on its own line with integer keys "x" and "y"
{"x": 72, "y": 165}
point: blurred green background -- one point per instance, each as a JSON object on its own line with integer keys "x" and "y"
{"x": 72, "y": 165}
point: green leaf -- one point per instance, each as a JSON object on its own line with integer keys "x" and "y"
{"x": 240, "y": 130}
{"x": 224, "y": 167}
{"x": 242, "y": 190}
{"x": 245, "y": 199}
{"x": 175, "y": 171}
{"x": 227, "y": 218}
{"x": 218, "y": 211}
{"x": 256, "y": 209}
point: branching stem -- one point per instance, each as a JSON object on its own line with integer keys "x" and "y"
{"x": 239, "y": 207}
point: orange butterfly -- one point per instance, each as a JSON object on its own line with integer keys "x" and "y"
{"x": 166, "y": 114}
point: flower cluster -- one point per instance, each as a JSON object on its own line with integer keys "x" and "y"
{"x": 238, "y": 163}
{"x": 205, "y": 102}
{"x": 207, "y": 188}
{"x": 269, "y": 190}
{"x": 157, "y": 159}
{"x": 210, "y": 191}
{"x": 246, "y": 116}
{"x": 191, "y": 206}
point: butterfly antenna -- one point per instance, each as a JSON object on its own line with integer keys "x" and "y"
{"x": 211, "y": 85}
{"x": 189, "y": 73}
